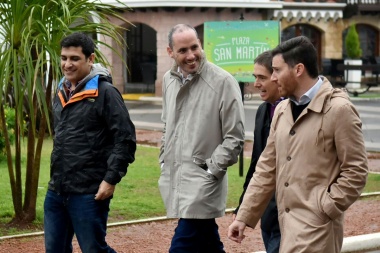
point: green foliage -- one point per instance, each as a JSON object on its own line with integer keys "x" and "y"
{"x": 373, "y": 183}
{"x": 6, "y": 205}
{"x": 136, "y": 196}
{"x": 10, "y": 115}
{"x": 30, "y": 32}
{"x": 352, "y": 43}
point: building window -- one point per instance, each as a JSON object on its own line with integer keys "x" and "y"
{"x": 141, "y": 58}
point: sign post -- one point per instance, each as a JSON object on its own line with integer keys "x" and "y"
{"x": 233, "y": 45}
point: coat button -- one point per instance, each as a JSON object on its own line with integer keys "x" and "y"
{"x": 292, "y": 132}
{"x": 286, "y": 184}
{"x": 287, "y": 210}
{"x": 288, "y": 158}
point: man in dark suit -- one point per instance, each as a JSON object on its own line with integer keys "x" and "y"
{"x": 269, "y": 93}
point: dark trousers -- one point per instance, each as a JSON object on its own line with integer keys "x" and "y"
{"x": 196, "y": 236}
{"x": 271, "y": 240}
{"x": 81, "y": 214}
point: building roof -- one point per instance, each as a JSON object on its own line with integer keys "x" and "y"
{"x": 223, "y": 4}
{"x": 277, "y": 9}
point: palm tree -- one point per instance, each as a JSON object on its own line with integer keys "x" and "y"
{"x": 30, "y": 35}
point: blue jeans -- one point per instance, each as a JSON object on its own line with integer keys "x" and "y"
{"x": 196, "y": 236}
{"x": 271, "y": 240}
{"x": 79, "y": 214}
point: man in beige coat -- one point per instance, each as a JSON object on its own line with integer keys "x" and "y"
{"x": 315, "y": 157}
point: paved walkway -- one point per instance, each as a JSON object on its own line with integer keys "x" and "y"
{"x": 253, "y": 102}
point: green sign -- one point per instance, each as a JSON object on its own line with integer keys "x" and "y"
{"x": 233, "y": 45}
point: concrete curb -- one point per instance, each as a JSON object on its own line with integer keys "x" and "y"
{"x": 357, "y": 243}
{"x": 350, "y": 244}
{"x": 361, "y": 242}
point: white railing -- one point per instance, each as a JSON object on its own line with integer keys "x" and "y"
{"x": 363, "y": 2}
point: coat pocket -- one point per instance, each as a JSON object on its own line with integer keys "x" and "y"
{"x": 200, "y": 162}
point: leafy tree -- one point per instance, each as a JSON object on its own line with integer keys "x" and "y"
{"x": 352, "y": 43}
{"x": 30, "y": 35}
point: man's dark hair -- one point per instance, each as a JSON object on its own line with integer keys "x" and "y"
{"x": 179, "y": 28}
{"x": 299, "y": 50}
{"x": 79, "y": 39}
{"x": 265, "y": 59}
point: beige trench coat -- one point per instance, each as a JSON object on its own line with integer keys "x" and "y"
{"x": 318, "y": 166}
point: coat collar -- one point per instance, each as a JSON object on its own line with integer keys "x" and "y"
{"x": 174, "y": 69}
{"x": 321, "y": 102}
{"x": 318, "y": 102}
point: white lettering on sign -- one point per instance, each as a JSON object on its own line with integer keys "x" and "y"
{"x": 232, "y": 53}
{"x": 240, "y": 41}
{"x": 249, "y": 52}
{"x": 223, "y": 54}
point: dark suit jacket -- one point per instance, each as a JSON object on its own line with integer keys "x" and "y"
{"x": 269, "y": 220}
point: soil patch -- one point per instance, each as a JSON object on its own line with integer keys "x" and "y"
{"x": 363, "y": 217}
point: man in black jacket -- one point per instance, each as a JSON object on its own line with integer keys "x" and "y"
{"x": 269, "y": 93}
{"x": 94, "y": 142}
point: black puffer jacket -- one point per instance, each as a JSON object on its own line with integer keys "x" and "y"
{"x": 94, "y": 137}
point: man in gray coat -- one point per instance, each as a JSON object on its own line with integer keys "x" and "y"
{"x": 204, "y": 134}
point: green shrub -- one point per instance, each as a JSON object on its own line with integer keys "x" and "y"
{"x": 352, "y": 43}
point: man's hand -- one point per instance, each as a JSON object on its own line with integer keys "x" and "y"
{"x": 105, "y": 191}
{"x": 236, "y": 231}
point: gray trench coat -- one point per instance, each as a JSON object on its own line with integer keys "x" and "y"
{"x": 204, "y": 125}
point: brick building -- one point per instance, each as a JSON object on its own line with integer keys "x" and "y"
{"x": 325, "y": 22}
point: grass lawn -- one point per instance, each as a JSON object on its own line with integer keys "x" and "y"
{"x": 136, "y": 196}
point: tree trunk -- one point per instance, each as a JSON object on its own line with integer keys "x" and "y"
{"x": 17, "y": 200}
{"x": 29, "y": 189}
{"x": 8, "y": 150}
{"x": 33, "y": 169}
